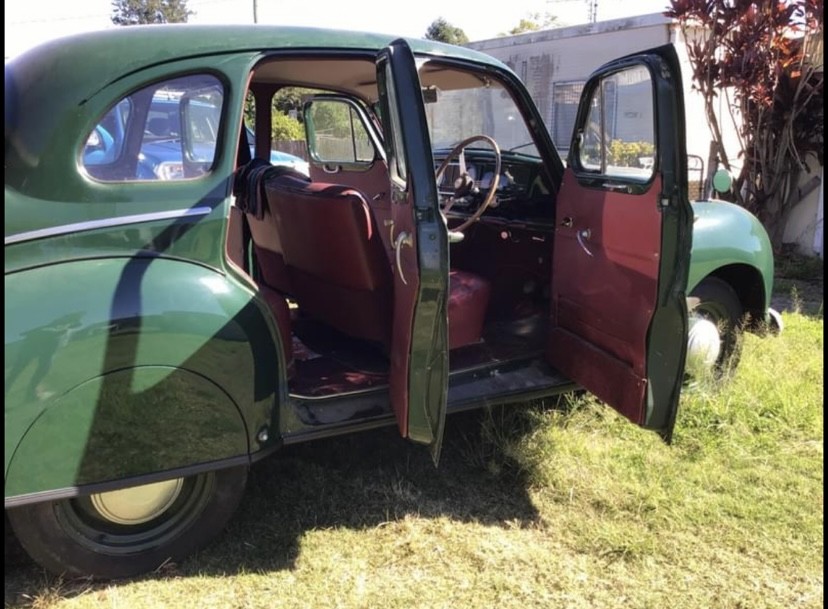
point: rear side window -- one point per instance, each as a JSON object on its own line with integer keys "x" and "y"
{"x": 166, "y": 131}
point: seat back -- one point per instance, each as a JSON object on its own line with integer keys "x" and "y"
{"x": 335, "y": 259}
{"x": 264, "y": 233}
{"x": 269, "y": 257}
{"x": 159, "y": 126}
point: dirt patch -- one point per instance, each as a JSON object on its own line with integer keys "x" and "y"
{"x": 798, "y": 282}
{"x": 800, "y": 295}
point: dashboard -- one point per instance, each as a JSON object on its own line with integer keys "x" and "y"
{"x": 522, "y": 193}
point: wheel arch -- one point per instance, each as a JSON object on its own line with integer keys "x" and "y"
{"x": 731, "y": 244}
{"x": 748, "y": 284}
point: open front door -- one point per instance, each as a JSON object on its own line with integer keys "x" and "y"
{"x": 419, "y": 355}
{"x": 622, "y": 241}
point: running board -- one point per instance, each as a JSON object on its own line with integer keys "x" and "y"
{"x": 486, "y": 386}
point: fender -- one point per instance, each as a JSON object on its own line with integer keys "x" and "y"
{"x": 180, "y": 355}
{"x": 726, "y": 236}
{"x": 123, "y": 424}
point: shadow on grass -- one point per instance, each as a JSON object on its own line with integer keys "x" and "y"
{"x": 359, "y": 482}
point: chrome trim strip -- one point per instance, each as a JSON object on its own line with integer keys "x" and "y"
{"x": 105, "y": 223}
{"x": 112, "y": 485}
{"x": 355, "y": 392}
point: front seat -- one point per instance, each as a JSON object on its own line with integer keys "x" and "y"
{"x": 338, "y": 268}
{"x": 159, "y": 126}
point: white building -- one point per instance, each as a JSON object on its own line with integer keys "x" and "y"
{"x": 555, "y": 64}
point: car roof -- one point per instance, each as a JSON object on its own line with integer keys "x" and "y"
{"x": 81, "y": 66}
{"x": 106, "y": 55}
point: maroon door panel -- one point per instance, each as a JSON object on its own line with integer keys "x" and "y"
{"x": 406, "y": 290}
{"x": 618, "y": 311}
{"x": 419, "y": 238}
{"x": 606, "y": 255}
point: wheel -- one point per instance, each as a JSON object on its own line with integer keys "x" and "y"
{"x": 130, "y": 531}
{"x": 465, "y": 181}
{"x": 714, "y": 328}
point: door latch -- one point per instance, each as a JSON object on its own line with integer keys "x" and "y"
{"x": 582, "y": 236}
{"x": 402, "y": 239}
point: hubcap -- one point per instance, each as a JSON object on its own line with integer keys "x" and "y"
{"x": 704, "y": 344}
{"x": 138, "y": 504}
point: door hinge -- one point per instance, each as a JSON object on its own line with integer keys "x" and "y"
{"x": 422, "y": 214}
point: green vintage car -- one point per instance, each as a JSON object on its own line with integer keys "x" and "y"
{"x": 166, "y": 329}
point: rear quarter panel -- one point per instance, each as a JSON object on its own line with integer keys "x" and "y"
{"x": 121, "y": 367}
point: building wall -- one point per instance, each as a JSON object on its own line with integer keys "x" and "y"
{"x": 549, "y": 60}
{"x": 698, "y": 131}
{"x": 568, "y": 55}
{"x": 804, "y": 226}
{"x": 561, "y": 59}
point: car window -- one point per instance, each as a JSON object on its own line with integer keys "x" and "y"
{"x": 398, "y": 166}
{"x": 619, "y": 138}
{"x": 166, "y": 131}
{"x": 461, "y": 103}
{"x": 339, "y": 134}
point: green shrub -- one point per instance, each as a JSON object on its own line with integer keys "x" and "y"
{"x": 284, "y": 127}
{"x": 626, "y": 154}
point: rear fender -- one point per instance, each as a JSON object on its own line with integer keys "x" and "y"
{"x": 126, "y": 424}
{"x": 93, "y": 342}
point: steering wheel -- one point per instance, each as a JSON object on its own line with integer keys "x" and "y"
{"x": 464, "y": 182}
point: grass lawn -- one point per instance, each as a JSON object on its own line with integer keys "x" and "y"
{"x": 540, "y": 505}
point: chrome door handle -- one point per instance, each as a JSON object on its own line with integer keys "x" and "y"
{"x": 402, "y": 239}
{"x": 583, "y": 235}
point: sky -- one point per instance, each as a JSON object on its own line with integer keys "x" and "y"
{"x": 31, "y": 22}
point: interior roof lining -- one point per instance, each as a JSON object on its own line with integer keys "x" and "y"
{"x": 354, "y": 74}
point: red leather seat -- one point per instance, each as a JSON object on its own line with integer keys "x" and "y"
{"x": 338, "y": 269}
{"x": 250, "y": 198}
{"x": 467, "y": 301}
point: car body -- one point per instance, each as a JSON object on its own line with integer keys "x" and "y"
{"x": 163, "y": 334}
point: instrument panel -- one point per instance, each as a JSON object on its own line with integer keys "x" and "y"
{"x": 522, "y": 193}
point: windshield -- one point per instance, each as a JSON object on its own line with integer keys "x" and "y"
{"x": 461, "y": 103}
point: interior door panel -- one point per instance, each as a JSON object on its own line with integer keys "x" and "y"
{"x": 618, "y": 318}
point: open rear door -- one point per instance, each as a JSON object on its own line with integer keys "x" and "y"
{"x": 622, "y": 241}
{"x": 419, "y": 357}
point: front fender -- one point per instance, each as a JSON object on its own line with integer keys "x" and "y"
{"x": 726, "y": 235}
{"x": 122, "y": 332}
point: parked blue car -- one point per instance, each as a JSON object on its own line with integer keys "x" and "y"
{"x": 161, "y": 148}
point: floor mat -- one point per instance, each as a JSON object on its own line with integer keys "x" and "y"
{"x": 318, "y": 339}
{"x": 330, "y": 363}
{"x": 322, "y": 376}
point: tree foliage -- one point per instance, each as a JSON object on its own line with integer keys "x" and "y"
{"x": 291, "y": 99}
{"x": 532, "y": 23}
{"x": 442, "y": 31}
{"x": 285, "y": 127}
{"x": 755, "y": 55}
{"x": 138, "y": 12}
